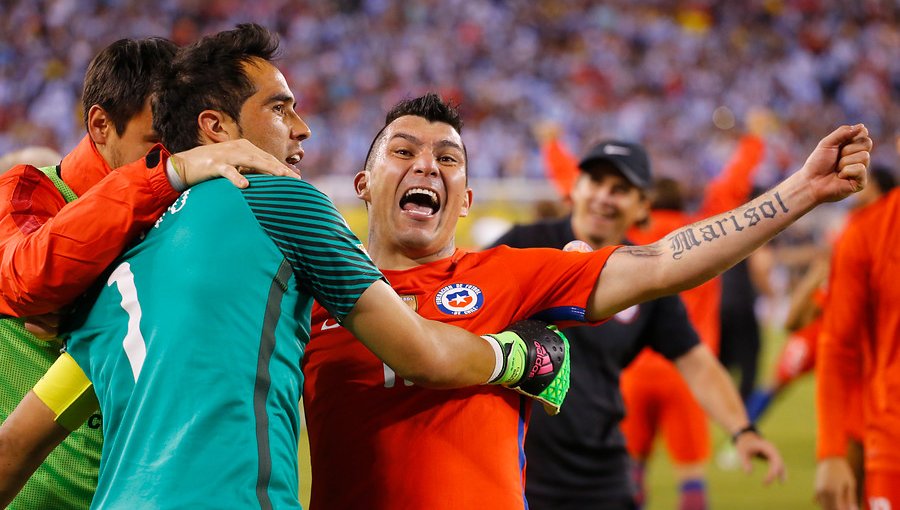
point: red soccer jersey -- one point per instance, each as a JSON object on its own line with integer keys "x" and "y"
{"x": 379, "y": 442}
{"x": 860, "y": 339}
{"x": 49, "y": 254}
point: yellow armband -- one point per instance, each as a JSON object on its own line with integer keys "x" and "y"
{"x": 68, "y": 392}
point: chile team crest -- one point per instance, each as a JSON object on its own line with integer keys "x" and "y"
{"x": 459, "y": 299}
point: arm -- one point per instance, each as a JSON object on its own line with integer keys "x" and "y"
{"x": 803, "y": 306}
{"x": 428, "y": 353}
{"x": 61, "y": 401}
{"x": 52, "y": 251}
{"x": 733, "y": 186}
{"x": 693, "y": 254}
{"x": 714, "y": 390}
{"x": 26, "y": 438}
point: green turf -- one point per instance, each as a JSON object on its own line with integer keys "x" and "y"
{"x": 790, "y": 424}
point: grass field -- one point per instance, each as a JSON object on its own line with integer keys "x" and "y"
{"x": 790, "y": 425}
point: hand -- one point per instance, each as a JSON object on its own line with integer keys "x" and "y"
{"x": 536, "y": 362}
{"x": 750, "y": 445}
{"x": 835, "y": 484}
{"x": 228, "y": 159}
{"x": 837, "y": 167}
{"x": 44, "y": 327}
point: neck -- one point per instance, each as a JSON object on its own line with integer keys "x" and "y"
{"x": 397, "y": 257}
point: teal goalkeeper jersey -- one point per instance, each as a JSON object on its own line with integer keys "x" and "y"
{"x": 194, "y": 345}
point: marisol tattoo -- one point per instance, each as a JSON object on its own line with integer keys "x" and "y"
{"x": 687, "y": 238}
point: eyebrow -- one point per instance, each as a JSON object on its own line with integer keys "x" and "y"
{"x": 282, "y": 98}
{"x": 415, "y": 140}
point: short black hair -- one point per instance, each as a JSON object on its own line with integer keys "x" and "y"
{"x": 883, "y": 177}
{"x": 430, "y": 107}
{"x": 209, "y": 75}
{"x": 123, "y": 75}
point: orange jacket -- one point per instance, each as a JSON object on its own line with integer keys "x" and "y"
{"x": 859, "y": 346}
{"x": 51, "y": 252}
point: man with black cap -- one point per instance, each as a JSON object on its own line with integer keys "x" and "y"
{"x": 578, "y": 459}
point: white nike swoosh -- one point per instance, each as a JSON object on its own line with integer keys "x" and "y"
{"x": 325, "y": 325}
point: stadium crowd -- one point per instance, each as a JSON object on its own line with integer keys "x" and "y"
{"x": 672, "y": 75}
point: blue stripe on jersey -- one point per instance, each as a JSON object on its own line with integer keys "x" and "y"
{"x": 561, "y": 313}
{"x": 524, "y": 409}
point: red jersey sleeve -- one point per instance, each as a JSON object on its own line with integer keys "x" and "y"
{"x": 554, "y": 285}
{"x": 839, "y": 356}
{"x": 50, "y": 251}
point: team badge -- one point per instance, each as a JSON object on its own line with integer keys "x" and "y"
{"x": 459, "y": 299}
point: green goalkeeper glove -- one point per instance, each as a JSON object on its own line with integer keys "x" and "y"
{"x": 535, "y": 362}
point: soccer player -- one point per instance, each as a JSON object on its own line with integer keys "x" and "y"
{"x": 590, "y": 467}
{"x": 857, "y": 346}
{"x": 459, "y": 449}
{"x": 194, "y": 343}
{"x": 52, "y": 251}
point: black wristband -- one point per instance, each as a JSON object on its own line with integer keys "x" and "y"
{"x": 747, "y": 428}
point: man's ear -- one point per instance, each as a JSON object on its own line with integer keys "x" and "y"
{"x": 99, "y": 125}
{"x": 464, "y": 210}
{"x": 361, "y": 184}
{"x": 215, "y": 126}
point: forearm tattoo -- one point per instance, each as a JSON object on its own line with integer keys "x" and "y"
{"x": 707, "y": 231}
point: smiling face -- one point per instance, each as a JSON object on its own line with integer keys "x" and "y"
{"x": 605, "y": 205}
{"x": 415, "y": 187}
{"x": 268, "y": 118}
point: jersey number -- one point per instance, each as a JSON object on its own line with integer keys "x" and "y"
{"x": 390, "y": 377}
{"x": 134, "y": 345}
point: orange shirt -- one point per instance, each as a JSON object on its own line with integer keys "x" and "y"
{"x": 51, "y": 252}
{"x": 860, "y": 340}
{"x": 378, "y": 442}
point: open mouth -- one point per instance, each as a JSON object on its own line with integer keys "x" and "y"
{"x": 420, "y": 201}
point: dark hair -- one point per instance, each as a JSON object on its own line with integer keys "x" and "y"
{"x": 122, "y": 76}
{"x": 883, "y": 177}
{"x": 209, "y": 75}
{"x": 667, "y": 195}
{"x": 430, "y": 107}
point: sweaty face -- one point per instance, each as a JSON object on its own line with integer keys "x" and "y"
{"x": 416, "y": 188}
{"x": 268, "y": 118}
{"x": 605, "y": 205}
{"x": 134, "y": 142}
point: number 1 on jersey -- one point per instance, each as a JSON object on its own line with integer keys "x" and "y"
{"x": 134, "y": 345}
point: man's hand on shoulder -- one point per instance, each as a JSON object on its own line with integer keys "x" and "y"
{"x": 229, "y": 159}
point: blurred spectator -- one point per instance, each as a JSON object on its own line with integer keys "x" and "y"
{"x": 677, "y": 75}
{"x": 35, "y": 156}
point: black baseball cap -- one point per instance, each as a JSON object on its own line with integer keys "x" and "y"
{"x": 630, "y": 159}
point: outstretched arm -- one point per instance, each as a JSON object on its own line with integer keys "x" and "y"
{"x": 691, "y": 255}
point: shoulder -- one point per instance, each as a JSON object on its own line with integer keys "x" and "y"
{"x": 285, "y": 192}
